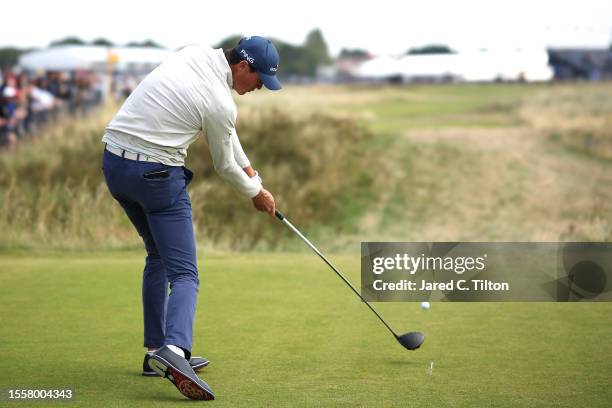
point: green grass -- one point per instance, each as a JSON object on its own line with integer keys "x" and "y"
{"x": 282, "y": 330}
{"x": 432, "y": 107}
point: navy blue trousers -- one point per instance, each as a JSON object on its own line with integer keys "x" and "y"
{"x": 160, "y": 210}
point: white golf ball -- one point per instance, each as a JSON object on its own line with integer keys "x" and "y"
{"x": 425, "y": 305}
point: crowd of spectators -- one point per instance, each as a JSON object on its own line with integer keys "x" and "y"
{"x": 29, "y": 101}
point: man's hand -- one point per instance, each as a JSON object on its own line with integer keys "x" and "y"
{"x": 264, "y": 202}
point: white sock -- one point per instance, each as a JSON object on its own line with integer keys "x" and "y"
{"x": 177, "y": 350}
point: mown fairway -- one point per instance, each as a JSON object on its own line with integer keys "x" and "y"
{"x": 282, "y": 330}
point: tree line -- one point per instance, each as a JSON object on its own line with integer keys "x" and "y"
{"x": 296, "y": 60}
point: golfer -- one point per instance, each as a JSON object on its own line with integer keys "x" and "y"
{"x": 143, "y": 162}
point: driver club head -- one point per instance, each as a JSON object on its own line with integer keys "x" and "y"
{"x": 412, "y": 340}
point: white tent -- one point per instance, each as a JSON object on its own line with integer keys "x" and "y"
{"x": 479, "y": 66}
{"x": 379, "y": 67}
{"x": 431, "y": 66}
{"x": 63, "y": 58}
{"x": 509, "y": 65}
{"x": 71, "y": 57}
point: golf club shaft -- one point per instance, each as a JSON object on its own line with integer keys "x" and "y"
{"x": 281, "y": 217}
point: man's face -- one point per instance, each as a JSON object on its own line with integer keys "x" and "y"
{"x": 245, "y": 80}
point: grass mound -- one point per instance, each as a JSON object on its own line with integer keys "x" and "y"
{"x": 53, "y": 194}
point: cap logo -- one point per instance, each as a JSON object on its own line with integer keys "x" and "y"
{"x": 273, "y": 69}
{"x": 247, "y": 57}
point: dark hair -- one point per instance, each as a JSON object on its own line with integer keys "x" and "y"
{"x": 234, "y": 58}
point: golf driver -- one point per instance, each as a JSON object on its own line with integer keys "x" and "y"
{"x": 411, "y": 340}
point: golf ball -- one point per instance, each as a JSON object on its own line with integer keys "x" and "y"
{"x": 425, "y": 305}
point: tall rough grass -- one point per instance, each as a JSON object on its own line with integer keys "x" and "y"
{"x": 307, "y": 162}
{"x": 53, "y": 195}
{"x": 580, "y": 121}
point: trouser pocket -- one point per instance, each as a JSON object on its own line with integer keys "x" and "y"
{"x": 161, "y": 188}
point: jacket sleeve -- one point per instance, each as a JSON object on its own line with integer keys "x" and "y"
{"x": 239, "y": 155}
{"x": 220, "y": 133}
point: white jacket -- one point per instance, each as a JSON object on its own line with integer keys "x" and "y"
{"x": 187, "y": 95}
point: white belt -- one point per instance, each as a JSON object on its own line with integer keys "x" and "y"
{"x": 129, "y": 155}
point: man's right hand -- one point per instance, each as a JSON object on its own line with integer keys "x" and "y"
{"x": 264, "y": 202}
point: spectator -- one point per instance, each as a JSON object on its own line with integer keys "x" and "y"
{"x": 8, "y": 104}
{"x": 28, "y": 102}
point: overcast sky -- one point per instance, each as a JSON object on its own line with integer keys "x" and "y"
{"x": 381, "y": 26}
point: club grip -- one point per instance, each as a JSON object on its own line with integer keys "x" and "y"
{"x": 279, "y": 215}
